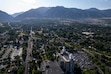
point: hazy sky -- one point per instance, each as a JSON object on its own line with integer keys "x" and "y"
{"x": 12, "y": 6}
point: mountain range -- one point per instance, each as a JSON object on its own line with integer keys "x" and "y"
{"x": 16, "y": 14}
{"x": 58, "y": 12}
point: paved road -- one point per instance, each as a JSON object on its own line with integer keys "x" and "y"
{"x": 10, "y": 25}
{"x": 29, "y": 51}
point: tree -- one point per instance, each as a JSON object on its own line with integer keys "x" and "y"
{"x": 20, "y": 70}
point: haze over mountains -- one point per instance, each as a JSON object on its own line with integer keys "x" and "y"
{"x": 56, "y": 12}
{"x": 16, "y": 14}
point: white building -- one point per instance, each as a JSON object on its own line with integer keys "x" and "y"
{"x": 67, "y": 63}
{"x": 63, "y": 50}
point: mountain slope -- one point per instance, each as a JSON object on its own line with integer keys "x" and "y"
{"x": 16, "y": 14}
{"x": 32, "y": 14}
{"x": 62, "y": 12}
{"x": 5, "y": 17}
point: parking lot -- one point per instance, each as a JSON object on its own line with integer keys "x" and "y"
{"x": 82, "y": 60}
{"x": 54, "y": 68}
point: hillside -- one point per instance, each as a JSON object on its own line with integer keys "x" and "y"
{"x": 5, "y": 17}
{"x": 63, "y": 13}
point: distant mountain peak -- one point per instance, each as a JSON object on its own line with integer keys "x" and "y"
{"x": 60, "y": 6}
{"x": 93, "y": 9}
{"x": 16, "y": 14}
